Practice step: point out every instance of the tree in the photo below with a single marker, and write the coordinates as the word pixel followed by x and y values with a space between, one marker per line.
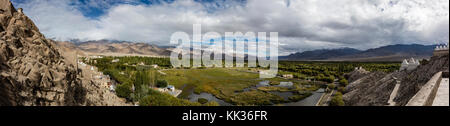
pixel 332 86
pixel 162 83
pixel 155 100
pixel 141 80
pixel 124 90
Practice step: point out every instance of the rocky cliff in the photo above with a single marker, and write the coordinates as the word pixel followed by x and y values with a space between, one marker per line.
pixel 32 71
pixel 374 88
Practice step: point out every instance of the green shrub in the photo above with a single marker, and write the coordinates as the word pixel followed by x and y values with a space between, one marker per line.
pixel 337 100
pixel 343 82
pixel 163 99
pixel 202 100
pixel 342 89
pixel 331 86
pixel 212 103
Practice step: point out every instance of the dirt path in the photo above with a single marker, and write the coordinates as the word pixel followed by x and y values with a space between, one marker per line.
pixel 160 71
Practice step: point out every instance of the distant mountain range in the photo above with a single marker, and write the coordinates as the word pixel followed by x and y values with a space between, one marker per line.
pixel 385 53
pixel 322 54
pixel 116 48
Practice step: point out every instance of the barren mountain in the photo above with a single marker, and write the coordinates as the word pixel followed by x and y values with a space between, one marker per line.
pixel 34 73
pixel 322 54
pixel 105 47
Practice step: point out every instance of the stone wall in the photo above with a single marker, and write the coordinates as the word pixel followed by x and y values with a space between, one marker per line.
pixel 426 94
pixel 440 52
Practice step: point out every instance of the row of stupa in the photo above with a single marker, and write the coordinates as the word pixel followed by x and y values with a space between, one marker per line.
pixel 441 47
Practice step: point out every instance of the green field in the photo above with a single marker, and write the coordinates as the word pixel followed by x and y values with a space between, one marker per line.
pixel 217 81
pixel 228 84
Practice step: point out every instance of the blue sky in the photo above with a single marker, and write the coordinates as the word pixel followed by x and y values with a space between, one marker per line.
pixel 96 8
pixel 302 24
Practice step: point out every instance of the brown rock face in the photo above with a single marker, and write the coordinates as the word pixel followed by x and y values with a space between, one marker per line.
pixel 368 90
pixel 6 7
pixel 374 89
pixel 32 72
pixel 413 81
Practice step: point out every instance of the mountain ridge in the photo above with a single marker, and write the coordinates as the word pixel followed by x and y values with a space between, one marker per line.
pixel 321 54
pixel 116 48
pixel 396 52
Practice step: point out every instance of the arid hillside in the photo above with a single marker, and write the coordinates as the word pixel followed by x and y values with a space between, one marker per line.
pixel 374 88
pixel 108 48
pixel 33 72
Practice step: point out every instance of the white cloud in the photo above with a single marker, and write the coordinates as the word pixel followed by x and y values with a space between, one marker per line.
pixel 56 19
pixel 302 24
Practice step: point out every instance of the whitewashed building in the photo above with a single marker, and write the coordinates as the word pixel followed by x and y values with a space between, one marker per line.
pixel 115 60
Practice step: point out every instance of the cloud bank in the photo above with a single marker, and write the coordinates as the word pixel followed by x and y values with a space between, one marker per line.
pixel 302 24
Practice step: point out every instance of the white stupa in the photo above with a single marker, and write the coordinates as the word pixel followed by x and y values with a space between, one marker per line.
pixel 410 64
pixel 441 47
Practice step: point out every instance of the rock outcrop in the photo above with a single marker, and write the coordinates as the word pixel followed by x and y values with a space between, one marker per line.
pixel 32 71
pixel 356 74
pixel 374 88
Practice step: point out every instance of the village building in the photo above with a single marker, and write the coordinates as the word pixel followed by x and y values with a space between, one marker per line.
pixel 96 57
pixel 288 76
pixel 171 87
pixel 115 60
pixel 82 64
